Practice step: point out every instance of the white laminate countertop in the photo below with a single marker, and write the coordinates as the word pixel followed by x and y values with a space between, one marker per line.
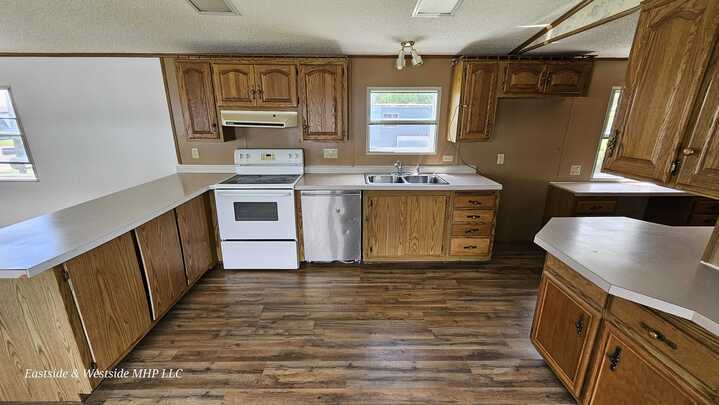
pixel 617 188
pixel 33 246
pixel 355 181
pixel 653 265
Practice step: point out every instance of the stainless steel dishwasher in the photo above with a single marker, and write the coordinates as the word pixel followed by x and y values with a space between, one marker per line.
pixel 332 225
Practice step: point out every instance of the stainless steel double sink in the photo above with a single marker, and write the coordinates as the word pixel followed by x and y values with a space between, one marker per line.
pixel 404 179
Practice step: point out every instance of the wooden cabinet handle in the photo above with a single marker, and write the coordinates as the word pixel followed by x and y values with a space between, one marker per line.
pixel 657 335
pixel 614 358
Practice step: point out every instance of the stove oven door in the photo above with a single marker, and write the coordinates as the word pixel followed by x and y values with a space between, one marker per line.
pixel 256 214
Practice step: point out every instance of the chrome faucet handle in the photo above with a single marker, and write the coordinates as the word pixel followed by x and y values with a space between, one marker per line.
pixel 417 169
pixel 397 166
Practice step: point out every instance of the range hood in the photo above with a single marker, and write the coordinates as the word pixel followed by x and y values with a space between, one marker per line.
pixel 259 119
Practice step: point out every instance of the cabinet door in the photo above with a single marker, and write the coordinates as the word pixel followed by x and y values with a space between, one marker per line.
pixel 668 59
pixel 401 226
pixel 276 85
pixel 161 256
pixel 699 171
pixel 563 331
pixel 234 85
pixel 108 289
pixel 628 375
pixel 196 237
pixel 197 101
pixel 323 101
pixel 479 101
pixel 567 78
pixel 523 78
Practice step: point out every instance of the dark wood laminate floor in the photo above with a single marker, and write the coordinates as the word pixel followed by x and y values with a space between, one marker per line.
pixel 335 335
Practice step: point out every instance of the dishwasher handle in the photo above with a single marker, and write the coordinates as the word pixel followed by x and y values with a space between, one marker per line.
pixel 311 193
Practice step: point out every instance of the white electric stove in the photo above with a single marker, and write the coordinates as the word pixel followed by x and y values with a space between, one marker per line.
pixel 256 210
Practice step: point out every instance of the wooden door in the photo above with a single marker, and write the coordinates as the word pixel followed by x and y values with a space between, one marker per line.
pixel 196 100
pixel 276 85
pixel 108 289
pixel 699 170
pixel 567 78
pixel 668 59
pixel 196 237
pixel 234 85
pixel 524 78
pixel 323 101
pixel 479 101
pixel 404 225
pixel 563 331
pixel 629 375
pixel 161 256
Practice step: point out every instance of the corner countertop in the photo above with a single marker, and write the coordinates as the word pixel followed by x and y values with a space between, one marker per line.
pixel 355 181
pixel 30 247
pixel 650 264
pixel 617 188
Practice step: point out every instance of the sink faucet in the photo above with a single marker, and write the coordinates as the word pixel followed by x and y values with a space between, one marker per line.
pixel 417 169
pixel 397 167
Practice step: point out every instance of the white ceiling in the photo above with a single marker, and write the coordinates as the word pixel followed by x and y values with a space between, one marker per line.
pixel 353 27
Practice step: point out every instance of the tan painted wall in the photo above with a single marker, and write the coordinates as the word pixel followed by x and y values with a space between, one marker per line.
pixel 541 138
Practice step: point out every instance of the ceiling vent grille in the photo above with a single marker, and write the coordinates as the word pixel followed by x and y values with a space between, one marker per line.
pixel 214 7
pixel 436 8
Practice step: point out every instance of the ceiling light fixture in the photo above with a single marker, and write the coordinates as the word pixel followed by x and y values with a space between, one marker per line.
pixel 216 7
pixel 435 8
pixel 416 58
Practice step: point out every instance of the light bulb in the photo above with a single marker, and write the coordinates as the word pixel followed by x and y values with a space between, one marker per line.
pixel 400 60
pixel 416 59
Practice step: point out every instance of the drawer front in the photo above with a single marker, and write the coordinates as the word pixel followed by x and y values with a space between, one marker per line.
pixel 472 230
pixel 579 285
pixel 595 207
pixel 474 201
pixel 469 246
pixel 688 353
pixel 706 207
pixel 473 216
pixel 703 220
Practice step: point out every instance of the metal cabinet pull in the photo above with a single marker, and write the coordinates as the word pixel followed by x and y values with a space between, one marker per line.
pixel 471 230
pixel 474 216
pixel 614 358
pixel 657 335
pixel 579 325
pixel 475 202
pixel 470 247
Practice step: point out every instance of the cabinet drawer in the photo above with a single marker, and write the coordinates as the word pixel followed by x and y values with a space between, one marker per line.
pixel 469 246
pixel 572 280
pixel 477 216
pixel 595 207
pixel 472 230
pixel 706 207
pixel 474 201
pixel 703 219
pixel 698 359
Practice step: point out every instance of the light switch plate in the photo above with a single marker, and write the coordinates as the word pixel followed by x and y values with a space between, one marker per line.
pixel 195 153
pixel 329 153
pixel 500 158
pixel 575 170
pixel 447 158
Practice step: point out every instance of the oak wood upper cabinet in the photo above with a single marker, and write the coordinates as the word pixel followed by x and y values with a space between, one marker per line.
pixel 323 101
pixel 669 57
pixel 276 85
pixel 524 78
pixel 404 225
pixel 161 256
pixel 234 84
pixel 473 101
pixel 567 78
pixel 563 331
pixel 196 99
pixel 627 374
pixel 110 295
pixel 196 236
pixel 248 85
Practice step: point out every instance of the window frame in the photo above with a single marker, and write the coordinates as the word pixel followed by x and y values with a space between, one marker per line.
pixel 25 143
pixel 598 175
pixel 403 89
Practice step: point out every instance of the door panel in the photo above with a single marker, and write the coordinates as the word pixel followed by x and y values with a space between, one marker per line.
pixel 425 225
pixel 161 255
pixel 196 237
pixel 108 289
pixel 568 78
pixel 197 101
pixel 276 85
pixel 523 78
pixel 234 85
pixel 322 95
pixel 480 100
pixel 666 65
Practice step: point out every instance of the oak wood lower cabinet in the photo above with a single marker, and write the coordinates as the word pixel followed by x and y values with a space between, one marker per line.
pixel 161 255
pixel 196 236
pixel 108 289
pixel 428 225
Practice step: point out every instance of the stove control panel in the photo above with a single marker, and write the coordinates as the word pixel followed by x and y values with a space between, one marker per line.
pixel 269 157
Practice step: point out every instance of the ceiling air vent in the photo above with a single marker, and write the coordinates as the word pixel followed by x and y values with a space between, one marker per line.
pixel 221 7
pixel 436 8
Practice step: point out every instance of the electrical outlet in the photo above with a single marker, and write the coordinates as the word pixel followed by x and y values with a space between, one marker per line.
pixel 195 153
pixel 448 158
pixel 500 158
pixel 575 170
pixel 329 153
